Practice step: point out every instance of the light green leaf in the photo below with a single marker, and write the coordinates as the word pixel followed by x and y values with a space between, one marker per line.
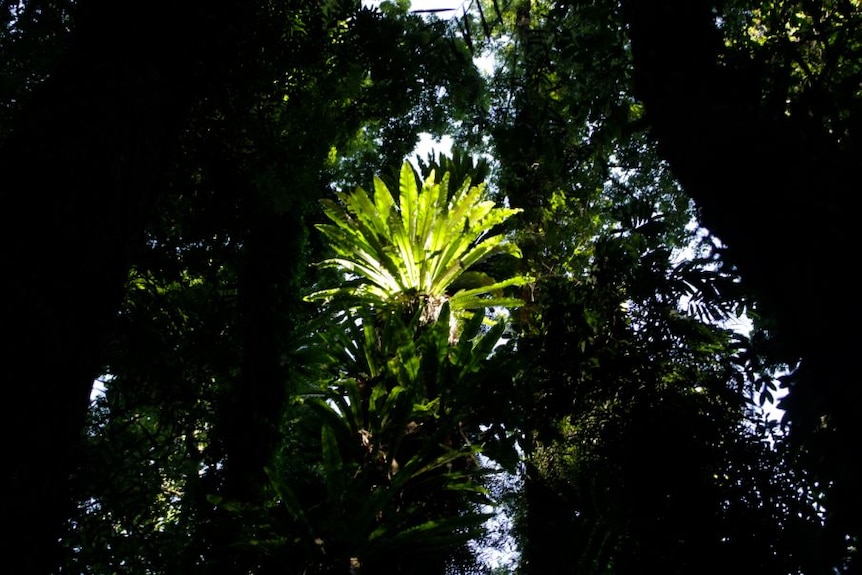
pixel 417 247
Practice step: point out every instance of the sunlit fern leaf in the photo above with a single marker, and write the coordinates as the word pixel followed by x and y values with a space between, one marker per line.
pixel 410 252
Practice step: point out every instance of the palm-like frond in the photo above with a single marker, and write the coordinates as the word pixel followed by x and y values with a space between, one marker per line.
pixel 417 247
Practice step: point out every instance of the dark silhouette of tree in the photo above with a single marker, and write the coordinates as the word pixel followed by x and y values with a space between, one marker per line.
pixel 755 107
pixel 84 157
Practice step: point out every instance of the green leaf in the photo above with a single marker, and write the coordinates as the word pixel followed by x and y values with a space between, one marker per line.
pixel 409 198
pixel 287 497
pixel 418 250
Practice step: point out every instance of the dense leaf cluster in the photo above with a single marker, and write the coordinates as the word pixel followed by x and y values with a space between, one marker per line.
pixel 175 180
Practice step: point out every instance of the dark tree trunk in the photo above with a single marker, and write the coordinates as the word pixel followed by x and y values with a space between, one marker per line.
pixel 549 532
pixel 250 413
pixel 81 170
pixel 777 191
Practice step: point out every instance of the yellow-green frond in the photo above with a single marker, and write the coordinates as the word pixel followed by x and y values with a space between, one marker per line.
pixel 418 244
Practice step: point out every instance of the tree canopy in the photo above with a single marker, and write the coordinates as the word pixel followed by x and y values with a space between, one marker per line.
pixel 317 352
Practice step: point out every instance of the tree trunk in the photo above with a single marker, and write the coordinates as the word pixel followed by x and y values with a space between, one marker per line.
pixel 775 189
pixel 81 169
